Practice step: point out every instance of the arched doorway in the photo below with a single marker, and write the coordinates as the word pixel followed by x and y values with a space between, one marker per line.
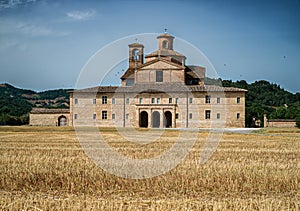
pixel 155 119
pixel 62 121
pixel 144 119
pixel 168 119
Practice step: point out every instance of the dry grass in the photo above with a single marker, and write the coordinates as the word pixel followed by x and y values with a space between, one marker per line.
pixel 44 168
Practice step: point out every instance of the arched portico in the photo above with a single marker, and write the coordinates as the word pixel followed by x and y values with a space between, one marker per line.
pixel 155 119
pixel 144 119
pixel 167 119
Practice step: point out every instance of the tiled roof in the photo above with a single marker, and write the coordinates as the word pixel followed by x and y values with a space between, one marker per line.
pixel 165 52
pixel 49 111
pixel 159 87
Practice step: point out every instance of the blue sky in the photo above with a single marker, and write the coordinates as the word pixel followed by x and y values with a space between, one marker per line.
pixel 44 44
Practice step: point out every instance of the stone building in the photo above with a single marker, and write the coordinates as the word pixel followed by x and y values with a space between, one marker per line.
pixel 49 117
pixel 159 90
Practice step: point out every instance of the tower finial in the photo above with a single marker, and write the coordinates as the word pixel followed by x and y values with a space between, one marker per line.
pixel 136 39
pixel 166 30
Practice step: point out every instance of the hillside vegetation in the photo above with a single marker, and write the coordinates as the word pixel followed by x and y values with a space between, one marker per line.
pixel 15 103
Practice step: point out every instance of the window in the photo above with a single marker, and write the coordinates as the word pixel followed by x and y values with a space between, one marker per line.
pixel 191 100
pixel 113 101
pixel 141 100
pixel 207 99
pixel 207 114
pixel 135 54
pixel 218 115
pixel 238 115
pixel 94 116
pixel 113 116
pixel 159 76
pixel 238 100
pixel 127 116
pixel 104 99
pixel 218 100
pixel 127 100
pixel 191 116
pixel 129 81
pixel 165 44
pixel 170 100
pixel 76 101
pixel 152 100
pixel 104 114
pixel 176 116
pixel 94 101
pixel 176 100
pixel 158 100
pixel 75 116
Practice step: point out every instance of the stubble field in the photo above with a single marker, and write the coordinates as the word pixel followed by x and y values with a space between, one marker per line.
pixel 45 168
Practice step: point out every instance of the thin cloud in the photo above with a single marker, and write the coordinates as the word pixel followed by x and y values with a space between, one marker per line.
pixel 29 29
pixel 80 15
pixel 9 4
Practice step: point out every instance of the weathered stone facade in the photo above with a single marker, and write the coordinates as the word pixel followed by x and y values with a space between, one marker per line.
pixel 162 92
pixel 49 117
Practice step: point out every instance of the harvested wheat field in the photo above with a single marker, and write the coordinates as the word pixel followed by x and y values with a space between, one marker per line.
pixel 45 168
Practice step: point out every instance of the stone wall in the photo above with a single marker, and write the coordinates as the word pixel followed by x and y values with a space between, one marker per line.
pixel 47 119
pixel 278 123
pixel 123 109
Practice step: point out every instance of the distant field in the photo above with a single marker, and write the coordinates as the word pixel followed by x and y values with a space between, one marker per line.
pixel 45 168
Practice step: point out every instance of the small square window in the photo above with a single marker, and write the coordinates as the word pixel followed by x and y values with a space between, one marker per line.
pixel 141 100
pixel 218 100
pixel 94 101
pixel 76 101
pixel 75 116
pixel 104 99
pixel 113 101
pixel 176 116
pixel 207 99
pixel 207 114
pixel 127 116
pixel 159 76
pixel 158 100
pixel 238 115
pixel 152 100
pixel 94 116
pixel 127 100
pixel 218 115
pixel 104 114
pixel 238 100
pixel 170 100
pixel 176 100
pixel 191 100
pixel 113 116
pixel 191 116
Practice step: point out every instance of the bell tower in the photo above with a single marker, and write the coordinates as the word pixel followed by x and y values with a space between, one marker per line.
pixel 165 41
pixel 136 55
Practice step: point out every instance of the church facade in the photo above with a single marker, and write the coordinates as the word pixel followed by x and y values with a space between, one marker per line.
pixel 159 90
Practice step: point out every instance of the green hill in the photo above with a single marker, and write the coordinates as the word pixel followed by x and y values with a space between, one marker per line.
pixel 15 103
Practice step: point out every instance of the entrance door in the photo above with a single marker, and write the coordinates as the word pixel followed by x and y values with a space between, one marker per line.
pixel 168 119
pixel 155 119
pixel 144 119
pixel 62 121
